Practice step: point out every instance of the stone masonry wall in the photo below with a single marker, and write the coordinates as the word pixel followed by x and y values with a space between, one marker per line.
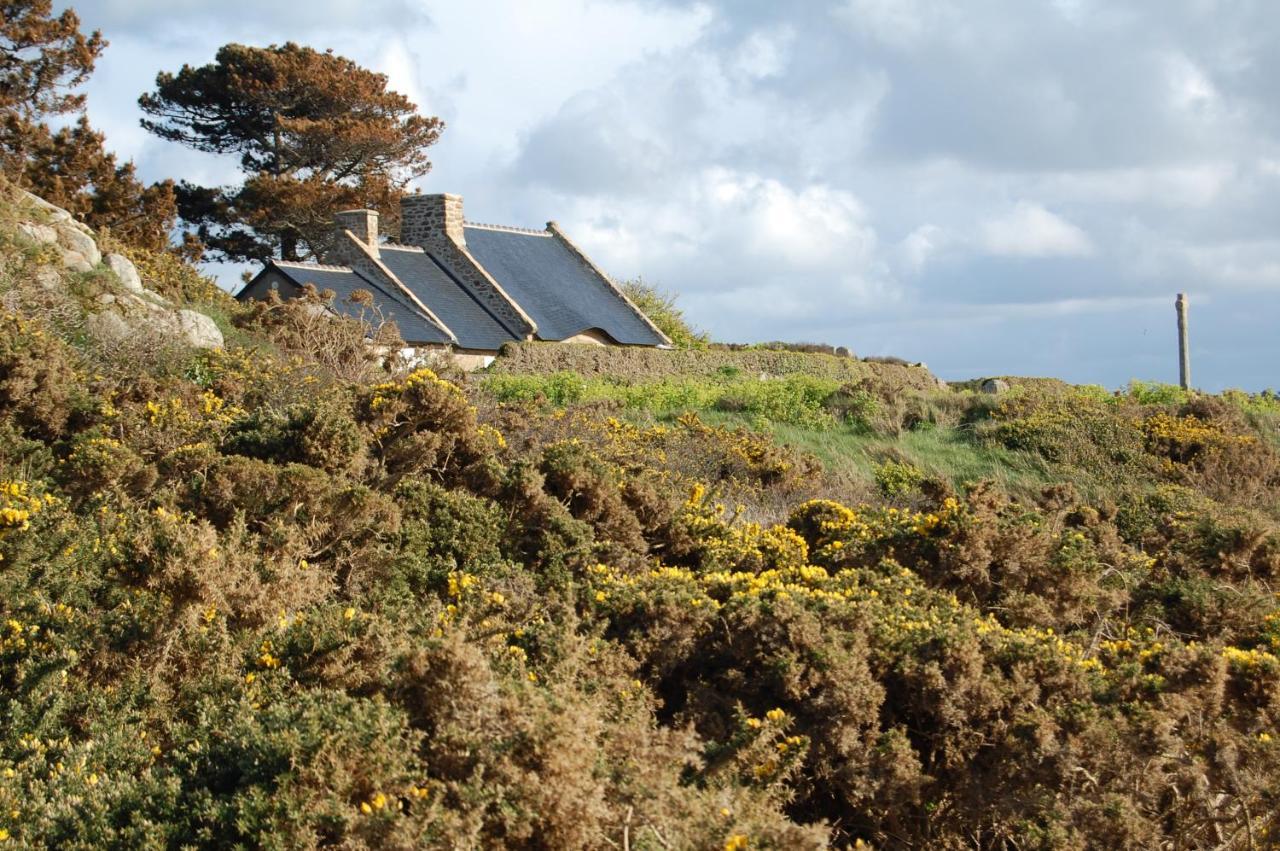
pixel 362 223
pixel 431 219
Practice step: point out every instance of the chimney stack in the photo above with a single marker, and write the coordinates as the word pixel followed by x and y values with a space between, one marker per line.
pixel 431 220
pixel 362 223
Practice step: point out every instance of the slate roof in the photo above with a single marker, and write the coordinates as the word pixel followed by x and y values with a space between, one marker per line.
pixel 414 326
pixel 558 291
pixel 435 286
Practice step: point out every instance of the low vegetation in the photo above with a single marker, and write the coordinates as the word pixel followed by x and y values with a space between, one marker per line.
pixel 269 595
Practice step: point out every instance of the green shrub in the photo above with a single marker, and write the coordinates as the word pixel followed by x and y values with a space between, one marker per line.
pixel 1157 393
pixel 660 307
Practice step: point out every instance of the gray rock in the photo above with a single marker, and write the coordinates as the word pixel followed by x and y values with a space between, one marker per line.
pixel 125 271
pixel 77 240
pixel 75 261
pixel 199 330
pixel 106 298
pixel 995 385
pixel 48 278
pixel 42 234
pixel 109 327
pixel 130 300
pixel 52 212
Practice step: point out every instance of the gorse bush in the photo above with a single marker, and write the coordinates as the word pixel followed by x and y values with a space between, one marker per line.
pixel 271 597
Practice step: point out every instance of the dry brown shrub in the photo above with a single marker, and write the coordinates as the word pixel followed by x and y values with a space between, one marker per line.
pixel 350 349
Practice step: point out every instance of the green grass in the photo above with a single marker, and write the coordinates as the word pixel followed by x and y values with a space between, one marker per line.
pixel 945 452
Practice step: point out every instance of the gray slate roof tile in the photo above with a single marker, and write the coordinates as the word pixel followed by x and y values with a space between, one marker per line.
pixel 414 326
pixel 562 295
pixel 468 319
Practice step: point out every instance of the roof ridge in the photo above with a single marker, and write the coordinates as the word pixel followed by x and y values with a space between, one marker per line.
pixel 402 245
pixel 321 266
pixel 506 228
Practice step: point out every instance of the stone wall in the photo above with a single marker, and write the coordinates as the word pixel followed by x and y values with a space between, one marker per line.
pixel 427 220
pixel 638 363
pixel 362 223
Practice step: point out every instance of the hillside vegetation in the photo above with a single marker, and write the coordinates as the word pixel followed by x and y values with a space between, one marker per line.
pixel 280 595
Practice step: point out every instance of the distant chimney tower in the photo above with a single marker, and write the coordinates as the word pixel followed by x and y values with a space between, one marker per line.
pixel 362 223
pixel 431 219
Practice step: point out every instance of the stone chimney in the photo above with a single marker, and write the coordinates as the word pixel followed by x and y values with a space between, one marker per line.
pixel 431 220
pixel 362 223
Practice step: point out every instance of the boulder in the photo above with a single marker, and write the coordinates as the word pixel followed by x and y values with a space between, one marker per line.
pixel 73 239
pixel 130 312
pixel 109 327
pixel 75 261
pixel 124 270
pixel 199 330
pixel 995 385
pixel 52 212
pixel 43 234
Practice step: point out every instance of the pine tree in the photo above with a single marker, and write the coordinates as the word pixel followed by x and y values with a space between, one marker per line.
pixel 314 133
pixel 42 60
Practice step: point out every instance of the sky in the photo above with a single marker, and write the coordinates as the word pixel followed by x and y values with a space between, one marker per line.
pixel 992 187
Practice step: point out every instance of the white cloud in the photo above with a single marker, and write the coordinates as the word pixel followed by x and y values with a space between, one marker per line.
pixel 905 23
pixel 1030 230
pixel 763 54
pixel 918 247
pixel 1189 86
pixel 743 213
pixel 1185 185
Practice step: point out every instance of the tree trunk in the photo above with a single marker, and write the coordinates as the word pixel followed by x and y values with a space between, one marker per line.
pixel 289 246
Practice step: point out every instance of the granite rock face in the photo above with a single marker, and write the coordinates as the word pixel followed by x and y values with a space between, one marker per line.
pixel 995 385
pixel 121 315
pixel 199 330
pixel 125 271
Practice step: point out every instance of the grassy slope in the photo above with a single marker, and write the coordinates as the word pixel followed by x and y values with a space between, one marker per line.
pixel 949 453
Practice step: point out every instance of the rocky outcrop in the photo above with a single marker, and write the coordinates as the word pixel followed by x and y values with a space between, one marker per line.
pixel 124 270
pixel 994 386
pixel 128 308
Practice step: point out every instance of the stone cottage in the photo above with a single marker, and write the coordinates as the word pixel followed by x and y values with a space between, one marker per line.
pixel 468 288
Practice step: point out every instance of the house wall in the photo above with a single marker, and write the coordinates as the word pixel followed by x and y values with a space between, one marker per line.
pixel 438 357
pixel 590 337
pixel 471 360
pixel 260 288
